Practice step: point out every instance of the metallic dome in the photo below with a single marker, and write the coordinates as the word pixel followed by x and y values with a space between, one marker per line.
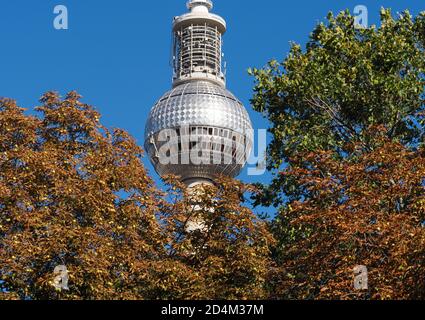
pixel 210 112
pixel 198 103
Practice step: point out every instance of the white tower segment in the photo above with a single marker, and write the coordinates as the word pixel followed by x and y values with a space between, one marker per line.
pixel 198 44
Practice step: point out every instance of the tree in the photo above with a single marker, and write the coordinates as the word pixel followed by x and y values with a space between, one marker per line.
pixel 368 210
pixel 72 193
pixel 327 99
pixel 228 257
pixel 75 194
pixel 346 80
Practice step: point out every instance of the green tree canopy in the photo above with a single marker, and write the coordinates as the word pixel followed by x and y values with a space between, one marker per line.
pixel 346 80
pixel 347 119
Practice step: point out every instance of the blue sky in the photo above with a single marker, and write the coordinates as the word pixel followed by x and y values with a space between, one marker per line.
pixel 116 53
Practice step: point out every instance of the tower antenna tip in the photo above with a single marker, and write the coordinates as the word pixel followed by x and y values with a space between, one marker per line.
pixel 196 3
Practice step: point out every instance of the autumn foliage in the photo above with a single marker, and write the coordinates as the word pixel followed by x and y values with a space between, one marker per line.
pixel 74 193
pixel 367 210
pixel 228 258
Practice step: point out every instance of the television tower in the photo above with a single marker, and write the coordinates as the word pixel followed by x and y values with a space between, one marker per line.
pixel 198 129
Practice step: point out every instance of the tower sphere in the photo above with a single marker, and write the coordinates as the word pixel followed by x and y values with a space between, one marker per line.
pixel 198 129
